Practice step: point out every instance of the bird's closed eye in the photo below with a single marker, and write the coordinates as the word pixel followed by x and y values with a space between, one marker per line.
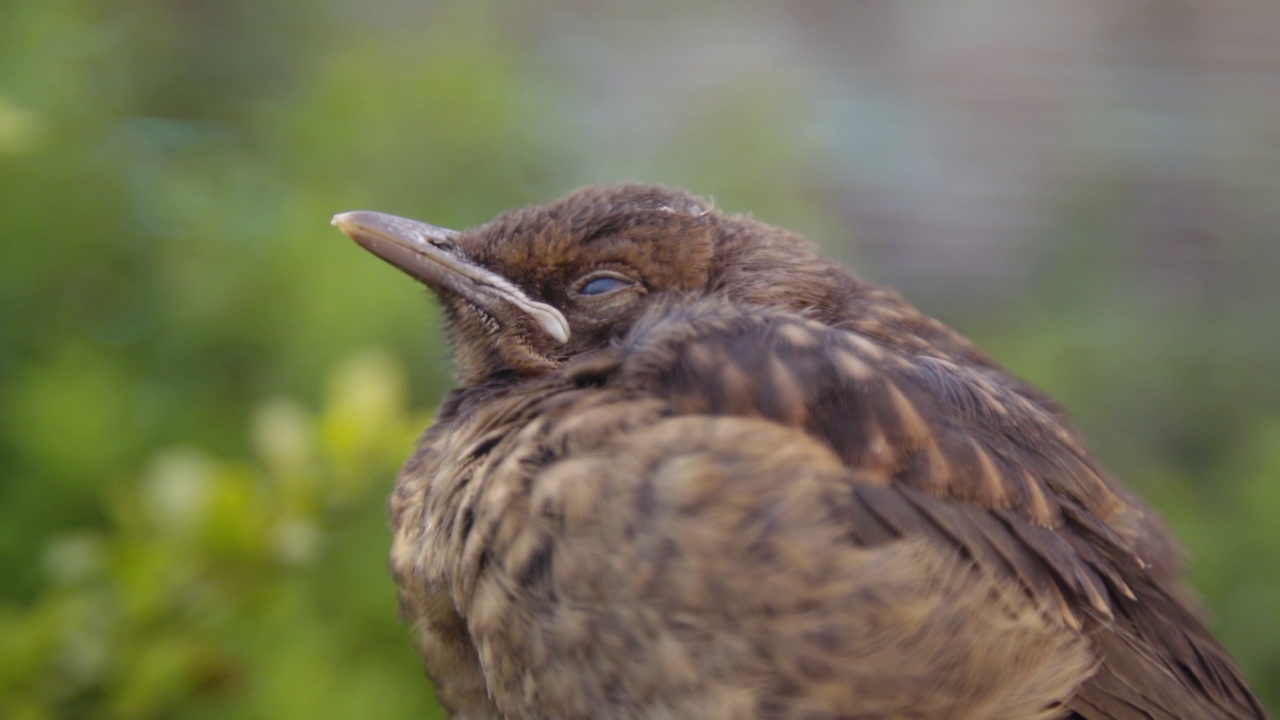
pixel 601 284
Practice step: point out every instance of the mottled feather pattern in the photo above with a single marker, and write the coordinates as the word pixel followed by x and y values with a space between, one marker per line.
pixel 753 485
pixel 530 606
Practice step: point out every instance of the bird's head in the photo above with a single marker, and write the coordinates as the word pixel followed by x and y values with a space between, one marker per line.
pixel 539 285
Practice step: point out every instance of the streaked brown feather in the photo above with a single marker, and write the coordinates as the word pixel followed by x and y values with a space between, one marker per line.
pixel 1053 502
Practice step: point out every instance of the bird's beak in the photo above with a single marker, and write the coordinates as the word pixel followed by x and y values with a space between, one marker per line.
pixel 428 253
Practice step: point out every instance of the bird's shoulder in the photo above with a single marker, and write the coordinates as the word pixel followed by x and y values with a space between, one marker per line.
pixel 948 444
pixel 898 397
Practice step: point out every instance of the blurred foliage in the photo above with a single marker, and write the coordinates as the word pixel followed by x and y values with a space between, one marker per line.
pixel 223 588
pixel 168 169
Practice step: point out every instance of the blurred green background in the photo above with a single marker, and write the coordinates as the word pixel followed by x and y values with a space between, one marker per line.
pixel 205 391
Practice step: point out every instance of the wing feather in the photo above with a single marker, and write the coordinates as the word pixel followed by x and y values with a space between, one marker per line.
pixel 970 456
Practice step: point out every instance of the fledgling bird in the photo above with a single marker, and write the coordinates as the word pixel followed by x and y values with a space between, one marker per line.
pixel 693 469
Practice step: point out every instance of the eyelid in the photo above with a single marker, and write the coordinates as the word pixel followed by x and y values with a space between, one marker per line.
pixel 602 275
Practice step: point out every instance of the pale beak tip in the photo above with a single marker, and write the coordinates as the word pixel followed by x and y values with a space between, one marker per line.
pixel 342 219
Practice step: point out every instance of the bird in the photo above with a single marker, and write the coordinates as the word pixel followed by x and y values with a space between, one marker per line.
pixel 692 468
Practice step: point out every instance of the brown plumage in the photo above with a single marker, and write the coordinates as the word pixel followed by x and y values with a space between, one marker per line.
pixel 695 470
